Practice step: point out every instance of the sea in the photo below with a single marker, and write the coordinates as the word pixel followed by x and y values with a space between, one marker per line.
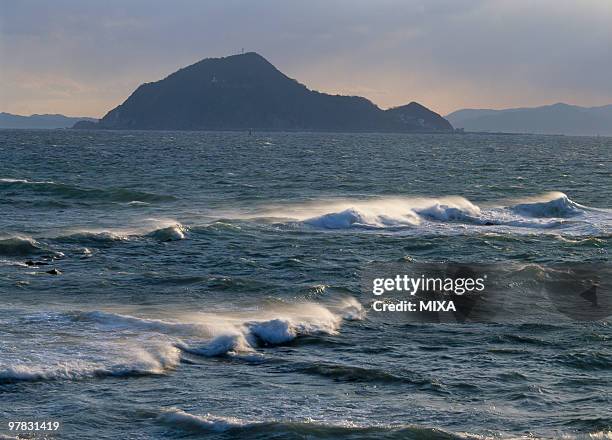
pixel 177 285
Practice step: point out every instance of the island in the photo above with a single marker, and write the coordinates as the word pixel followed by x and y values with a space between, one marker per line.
pixel 246 92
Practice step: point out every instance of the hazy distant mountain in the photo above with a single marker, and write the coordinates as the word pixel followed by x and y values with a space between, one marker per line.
pixel 549 119
pixel 246 91
pixel 8 120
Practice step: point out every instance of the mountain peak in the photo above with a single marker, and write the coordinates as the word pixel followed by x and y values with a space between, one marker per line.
pixel 246 56
pixel 245 91
pixel 418 115
pixel 238 60
pixel 252 55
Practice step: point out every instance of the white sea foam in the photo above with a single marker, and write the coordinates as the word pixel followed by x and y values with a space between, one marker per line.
pixel 134 360
pixel 26 181
pixel 547 211
pixel 445 212
pixel 350 309
pixel 5 262
pixel 342 220
pixel 553 204
pixel 169 233
pixel 383 212
pixel 342 213
pixel 219 345
pixel 209 334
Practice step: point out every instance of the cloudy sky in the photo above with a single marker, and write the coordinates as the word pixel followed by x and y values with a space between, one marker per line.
pixel 83 58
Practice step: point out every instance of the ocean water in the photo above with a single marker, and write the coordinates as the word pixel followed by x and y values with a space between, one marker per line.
pixel 208 284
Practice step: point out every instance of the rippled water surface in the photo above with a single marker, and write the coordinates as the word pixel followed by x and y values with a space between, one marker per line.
pixel 181 285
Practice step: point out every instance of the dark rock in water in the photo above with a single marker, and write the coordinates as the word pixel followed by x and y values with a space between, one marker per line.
pixel 54 272
pixel 246 92
pixel 36 263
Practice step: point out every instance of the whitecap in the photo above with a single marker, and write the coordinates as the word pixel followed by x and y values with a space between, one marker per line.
pixel 134 361
pixel 169 233
pixel 446 215
pixel 394 212
pixel 216 334
pixel 160 230
pixel 22 245
pixel 554 204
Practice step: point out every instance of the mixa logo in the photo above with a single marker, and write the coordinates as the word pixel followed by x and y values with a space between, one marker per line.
pixel 437 306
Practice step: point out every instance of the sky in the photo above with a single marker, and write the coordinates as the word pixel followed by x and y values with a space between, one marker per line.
pixel 84 58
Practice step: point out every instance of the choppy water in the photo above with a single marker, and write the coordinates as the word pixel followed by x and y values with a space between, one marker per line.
pixel 209 284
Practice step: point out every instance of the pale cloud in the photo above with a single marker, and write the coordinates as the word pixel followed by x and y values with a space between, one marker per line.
pixel 86 57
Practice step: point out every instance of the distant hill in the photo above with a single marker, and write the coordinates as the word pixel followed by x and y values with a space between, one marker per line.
pixel 8 120
pixel 416 115
pixel 550 119
pixel 247 92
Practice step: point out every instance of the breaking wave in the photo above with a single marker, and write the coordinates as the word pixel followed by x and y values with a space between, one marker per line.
pixel 92 237
pixel 169 233
pixel 219 334
pixel 352 217
pixel 546 211
pixel 386 212
pixel 138 362
pixel 159 230
pixel 554 204
pixel 21 246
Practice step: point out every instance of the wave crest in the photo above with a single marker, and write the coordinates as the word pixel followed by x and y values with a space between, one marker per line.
pixel 21 245
pixel 139 362
pixel 93 237
pixel 169 233
pixel 391 212
pixel 546 211
pixel 352 217
pixel 238 332
pixel 160 230
pixel 443 212
pixel 554 204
